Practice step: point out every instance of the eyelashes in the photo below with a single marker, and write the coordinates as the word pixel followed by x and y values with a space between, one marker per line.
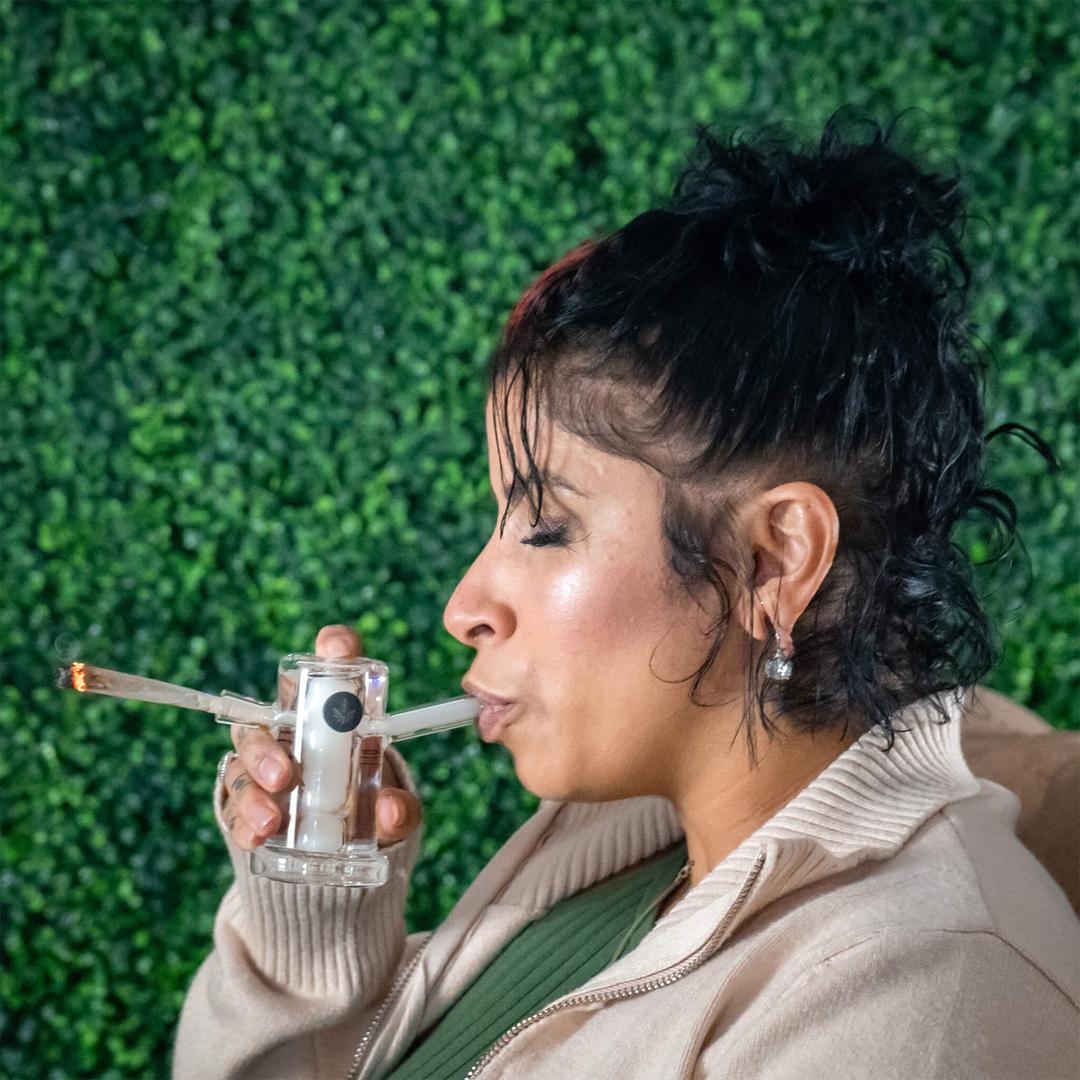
pixel 552 536
pixel 555 534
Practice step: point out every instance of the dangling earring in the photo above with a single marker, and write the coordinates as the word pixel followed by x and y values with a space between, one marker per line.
pixel 778 666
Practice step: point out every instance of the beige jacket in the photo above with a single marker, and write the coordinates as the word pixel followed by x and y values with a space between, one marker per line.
pixel 885 923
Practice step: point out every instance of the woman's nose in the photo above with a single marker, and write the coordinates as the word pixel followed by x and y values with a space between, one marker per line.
pixel 474 614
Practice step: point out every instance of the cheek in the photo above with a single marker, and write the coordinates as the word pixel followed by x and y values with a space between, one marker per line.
pixel 608 600
pixel 593 634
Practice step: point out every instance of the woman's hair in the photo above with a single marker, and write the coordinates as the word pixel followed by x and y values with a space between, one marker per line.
pixel 789 314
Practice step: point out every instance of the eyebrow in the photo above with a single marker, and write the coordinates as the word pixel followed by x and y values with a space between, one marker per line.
pixel 556 481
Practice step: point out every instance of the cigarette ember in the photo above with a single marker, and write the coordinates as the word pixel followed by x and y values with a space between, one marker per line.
pixel 72 677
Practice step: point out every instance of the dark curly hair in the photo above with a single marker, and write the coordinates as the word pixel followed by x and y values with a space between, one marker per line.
pixel 789 314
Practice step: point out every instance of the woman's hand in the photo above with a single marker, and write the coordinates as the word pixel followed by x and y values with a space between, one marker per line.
pixel 258 780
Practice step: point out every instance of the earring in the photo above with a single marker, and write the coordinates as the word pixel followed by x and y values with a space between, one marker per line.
pixel 778 666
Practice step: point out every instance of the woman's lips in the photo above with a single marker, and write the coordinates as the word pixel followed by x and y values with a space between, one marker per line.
pixel 495 712
pixel 492 719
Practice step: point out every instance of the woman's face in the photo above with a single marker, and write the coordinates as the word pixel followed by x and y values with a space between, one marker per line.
pixel 567 618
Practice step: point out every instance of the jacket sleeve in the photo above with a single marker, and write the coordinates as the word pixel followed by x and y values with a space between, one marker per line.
pixel 296 972
pixel 936 1004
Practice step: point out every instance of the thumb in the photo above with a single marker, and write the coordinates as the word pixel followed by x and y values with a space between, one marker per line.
pixel 340 641
pixel 397 814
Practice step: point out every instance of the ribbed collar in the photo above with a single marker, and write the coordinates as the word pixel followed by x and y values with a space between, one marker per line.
pixel 863 806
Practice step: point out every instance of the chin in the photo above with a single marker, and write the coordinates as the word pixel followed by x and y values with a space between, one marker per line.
pixel 544 778
pixel 543 787
pixel 546 781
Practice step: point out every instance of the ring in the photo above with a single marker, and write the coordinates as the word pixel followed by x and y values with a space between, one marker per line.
pixel 224 763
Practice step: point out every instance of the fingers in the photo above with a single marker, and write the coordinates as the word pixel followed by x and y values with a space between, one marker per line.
pixel 338 641
pixel 398 812
pixel 397 815
pixel 264 758
pixel 255 807
pixel 250 813
pixel 394 812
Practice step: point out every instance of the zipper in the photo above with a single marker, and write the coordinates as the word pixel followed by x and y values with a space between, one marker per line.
pixel 377 1019
pixel 632 988
pixel 393 992
pixel 683 874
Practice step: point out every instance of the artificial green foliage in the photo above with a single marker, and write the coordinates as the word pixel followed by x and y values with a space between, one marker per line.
pixel 254 258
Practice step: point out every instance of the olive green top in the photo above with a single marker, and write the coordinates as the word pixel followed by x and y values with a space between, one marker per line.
pixel 553 955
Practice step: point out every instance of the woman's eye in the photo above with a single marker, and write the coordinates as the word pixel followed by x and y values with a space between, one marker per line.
pixel 553 536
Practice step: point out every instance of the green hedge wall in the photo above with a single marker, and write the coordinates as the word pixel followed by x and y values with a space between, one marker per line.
pixel 255 256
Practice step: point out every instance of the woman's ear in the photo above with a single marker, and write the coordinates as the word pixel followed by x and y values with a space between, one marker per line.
pixel 793 530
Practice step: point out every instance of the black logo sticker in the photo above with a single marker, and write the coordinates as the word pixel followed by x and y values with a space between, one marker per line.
pixel 343 711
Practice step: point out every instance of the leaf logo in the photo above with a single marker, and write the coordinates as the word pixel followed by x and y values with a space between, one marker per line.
pixel 342 711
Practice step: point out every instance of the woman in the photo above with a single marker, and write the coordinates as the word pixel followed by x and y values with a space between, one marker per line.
pixel 723 632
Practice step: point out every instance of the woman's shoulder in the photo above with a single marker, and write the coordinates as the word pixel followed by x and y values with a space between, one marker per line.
pixel 989 712
pixel 963 881
pixel 1007 743
pixel 931 963
pixel 903 996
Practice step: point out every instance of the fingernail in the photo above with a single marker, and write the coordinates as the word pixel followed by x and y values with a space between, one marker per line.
pixel 271 772
pixel 263 820
pixel 391 815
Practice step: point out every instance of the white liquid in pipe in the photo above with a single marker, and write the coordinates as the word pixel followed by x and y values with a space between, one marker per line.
pixel 325 760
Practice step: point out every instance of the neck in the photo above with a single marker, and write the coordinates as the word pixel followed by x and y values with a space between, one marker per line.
pixel 721 800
